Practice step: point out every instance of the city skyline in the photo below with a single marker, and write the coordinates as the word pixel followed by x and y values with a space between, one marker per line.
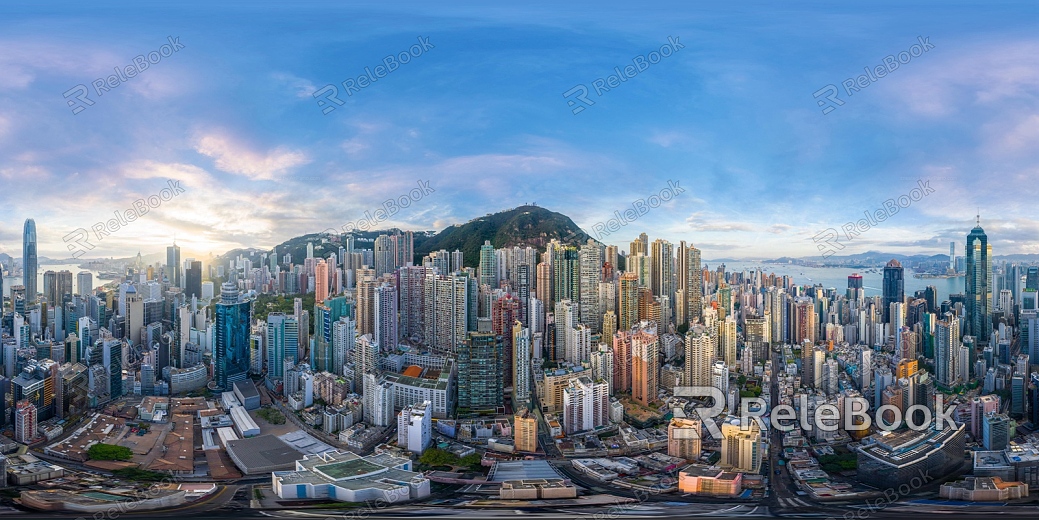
pixel 264 259
pixel 620 240
pixel 481 114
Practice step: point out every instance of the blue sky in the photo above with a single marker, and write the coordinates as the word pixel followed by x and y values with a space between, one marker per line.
pixel 481 115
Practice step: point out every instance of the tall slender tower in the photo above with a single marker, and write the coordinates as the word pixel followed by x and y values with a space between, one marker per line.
pixel 320 281
pixel 629 301
pixel 173 264
pixel 488 265
pixel 894 292
pixel 978 258
pixel 590 272
pixel 690 279
pixel 30 262
pixel 645 363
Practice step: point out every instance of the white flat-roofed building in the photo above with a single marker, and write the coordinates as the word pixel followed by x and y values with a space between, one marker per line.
pixel 346 477
pixel 225 435
pixel 245 425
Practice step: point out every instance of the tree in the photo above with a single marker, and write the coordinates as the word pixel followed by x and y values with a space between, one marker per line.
pixel 438 457
pixel 472 460
pixel 102 451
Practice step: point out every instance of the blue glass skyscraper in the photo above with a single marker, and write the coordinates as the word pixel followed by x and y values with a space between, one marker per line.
pixel 231 355
pixel 894 292
pixel 30 262
pixel 978 291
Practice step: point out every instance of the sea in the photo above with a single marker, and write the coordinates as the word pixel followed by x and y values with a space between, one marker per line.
pixel 74 268
pixel 837 277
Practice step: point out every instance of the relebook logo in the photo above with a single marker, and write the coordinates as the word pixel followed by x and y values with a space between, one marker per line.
pixel 829 418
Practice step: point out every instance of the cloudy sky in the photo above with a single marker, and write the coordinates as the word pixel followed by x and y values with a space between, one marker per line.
pixel 731 116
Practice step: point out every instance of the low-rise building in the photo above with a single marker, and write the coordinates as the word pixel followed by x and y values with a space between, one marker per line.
pixel 247 394
pixel 23 470
pixel 346 477
pixel 984 489
pixel 535 489
pixel 891 459
pixel 262 454
pixel 699 479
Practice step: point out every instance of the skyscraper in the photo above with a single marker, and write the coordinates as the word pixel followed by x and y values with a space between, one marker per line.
pixel 521 354
pixel 946 348
pixel 566 271
pixel 320 281
pixel 481 369
pixel 445 310
pixel 629 301
pixel 25 422
pixel 526 431
pixel 386 331
pixel 231 354
pixel 645 362
pixel 590 273
pixel 30 262
pixel 173 265
pixel 699 356
pixel 741 445
pixel 622 361
pixel 282 342
pixel 385 255
pixel 662 273
pixel 894 292
pixel 411 281
pixel 57 287
pixel 586 404
pixel 1032 278
pixel 193 280
pixel 488 265
pixel 690 281
pixel 84 283
pixel 978 293
pixel 505 313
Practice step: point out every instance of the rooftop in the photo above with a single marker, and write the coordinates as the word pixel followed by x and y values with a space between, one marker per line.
pixel 348 468
pixel 247 389
pixel 261 452
pixel 522 470
pixel 907 447
pixel 351 471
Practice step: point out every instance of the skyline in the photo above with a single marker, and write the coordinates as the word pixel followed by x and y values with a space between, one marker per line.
pixel 482 114
pixel 619 242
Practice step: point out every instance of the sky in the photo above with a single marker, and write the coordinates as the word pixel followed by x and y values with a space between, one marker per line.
pixel 480 114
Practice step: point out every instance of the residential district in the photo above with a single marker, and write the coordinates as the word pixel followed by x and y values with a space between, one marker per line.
pixel 566 375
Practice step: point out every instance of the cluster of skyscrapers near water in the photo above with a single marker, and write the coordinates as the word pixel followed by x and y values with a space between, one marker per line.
pixel 563 339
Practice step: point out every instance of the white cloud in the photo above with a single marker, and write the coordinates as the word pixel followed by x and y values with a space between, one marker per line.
pixel 232 156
